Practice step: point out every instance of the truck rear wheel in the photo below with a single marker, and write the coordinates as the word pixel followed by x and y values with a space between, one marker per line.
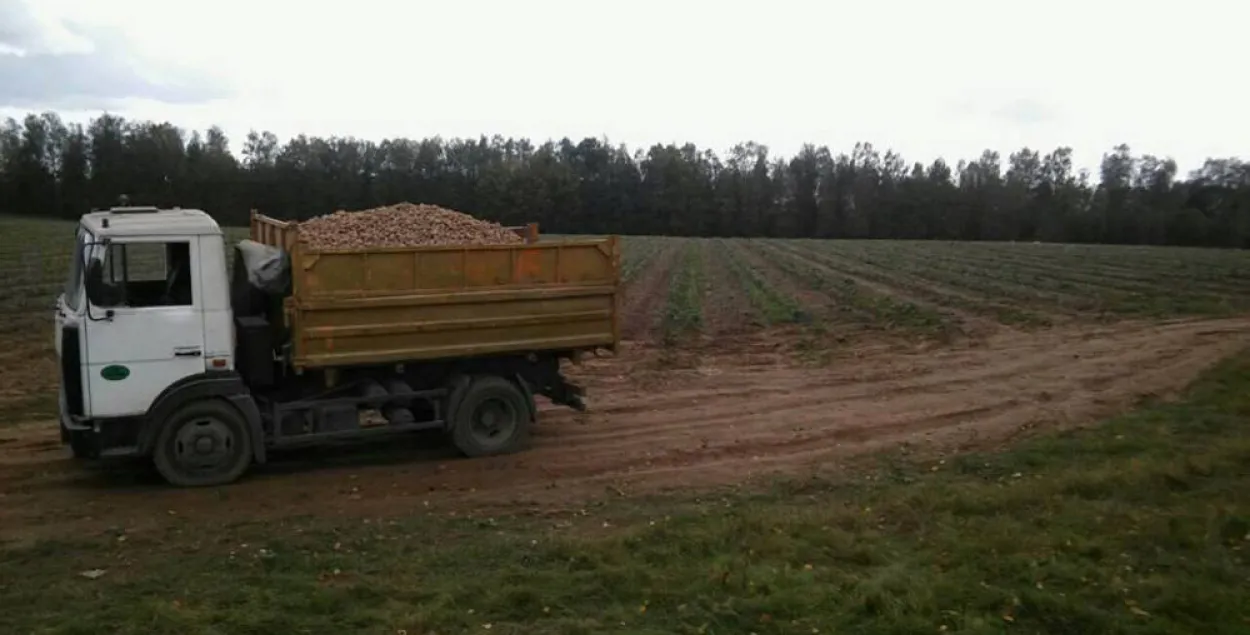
pixel 203 443
pixel 491 418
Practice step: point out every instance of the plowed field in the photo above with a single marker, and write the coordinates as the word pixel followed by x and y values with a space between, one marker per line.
pixel 744 359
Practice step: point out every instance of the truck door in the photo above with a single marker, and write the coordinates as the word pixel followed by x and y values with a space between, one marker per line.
pixel 147 329
pixel 69 336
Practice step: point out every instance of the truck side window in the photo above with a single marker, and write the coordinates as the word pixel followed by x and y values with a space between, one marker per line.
pixel 149 274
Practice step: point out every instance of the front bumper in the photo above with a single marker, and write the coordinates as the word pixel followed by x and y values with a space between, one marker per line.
pixel 83 442
pixel 68 424
pixel 99 438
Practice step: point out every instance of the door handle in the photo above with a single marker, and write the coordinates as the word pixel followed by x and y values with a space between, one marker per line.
pixel 187 352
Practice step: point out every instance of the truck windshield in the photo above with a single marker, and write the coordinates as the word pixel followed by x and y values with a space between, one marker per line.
pixel 73 285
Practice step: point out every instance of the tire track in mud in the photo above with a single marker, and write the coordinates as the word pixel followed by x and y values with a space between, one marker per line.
pixel 730 439
pixel 722 423
pixel 888 381
pixel 918 396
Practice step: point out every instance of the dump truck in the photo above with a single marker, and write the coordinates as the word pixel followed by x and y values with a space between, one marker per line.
pixel 203 358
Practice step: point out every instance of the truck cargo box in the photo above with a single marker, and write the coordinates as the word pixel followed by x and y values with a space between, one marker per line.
pixel 396 304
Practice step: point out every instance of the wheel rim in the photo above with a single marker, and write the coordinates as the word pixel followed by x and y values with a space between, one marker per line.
pixel 494 422
pixel 204 445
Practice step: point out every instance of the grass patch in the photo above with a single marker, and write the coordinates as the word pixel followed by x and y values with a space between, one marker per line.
pixel 1140 525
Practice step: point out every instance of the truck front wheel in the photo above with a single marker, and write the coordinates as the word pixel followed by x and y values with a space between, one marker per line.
pixel 492 417
pixel 203 443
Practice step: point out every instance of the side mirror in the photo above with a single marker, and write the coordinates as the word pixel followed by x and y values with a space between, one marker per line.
pixel 93 281
pixel 98 293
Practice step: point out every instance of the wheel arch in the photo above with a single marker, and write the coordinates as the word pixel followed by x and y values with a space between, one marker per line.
pixel 529 396
pixel 226 386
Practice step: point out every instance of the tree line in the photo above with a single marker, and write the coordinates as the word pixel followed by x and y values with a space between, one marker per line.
pixel 52 168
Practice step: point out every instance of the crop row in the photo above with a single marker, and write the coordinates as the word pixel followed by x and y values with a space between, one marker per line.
pixel 1071 262
pixel 682 309
pixel 905 282
pixel 992 266
pixel 989 272
pixel 638 254
pixel 982 281
pixel 770 302
pixel 853 302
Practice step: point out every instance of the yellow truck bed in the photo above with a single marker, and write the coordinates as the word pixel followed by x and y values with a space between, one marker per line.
pixel 392 305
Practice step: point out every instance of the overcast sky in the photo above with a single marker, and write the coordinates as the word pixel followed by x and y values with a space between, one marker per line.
pixel 925 78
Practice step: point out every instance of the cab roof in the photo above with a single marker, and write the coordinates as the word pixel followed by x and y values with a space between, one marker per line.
pixel 150 221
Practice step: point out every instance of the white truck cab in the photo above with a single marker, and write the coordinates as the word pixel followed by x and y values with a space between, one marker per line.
pixel 145 314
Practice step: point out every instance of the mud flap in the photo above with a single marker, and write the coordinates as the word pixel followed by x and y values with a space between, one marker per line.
pixel 247 406
pixel 563 393
pixel 456 388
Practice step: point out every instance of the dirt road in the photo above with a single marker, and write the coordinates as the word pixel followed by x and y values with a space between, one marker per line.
pixel 727 420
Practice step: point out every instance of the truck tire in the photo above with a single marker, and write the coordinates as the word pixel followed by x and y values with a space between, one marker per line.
pixel 203 443
pixel 491 418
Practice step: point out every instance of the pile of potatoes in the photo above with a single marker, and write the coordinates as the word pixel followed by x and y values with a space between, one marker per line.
pixel 402 225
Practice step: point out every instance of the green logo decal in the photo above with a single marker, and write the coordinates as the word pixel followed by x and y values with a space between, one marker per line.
pixel 114 373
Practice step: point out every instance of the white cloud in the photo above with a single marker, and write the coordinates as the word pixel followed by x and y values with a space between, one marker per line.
pixel 924 78
pixel 48 60
pixel 28 28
